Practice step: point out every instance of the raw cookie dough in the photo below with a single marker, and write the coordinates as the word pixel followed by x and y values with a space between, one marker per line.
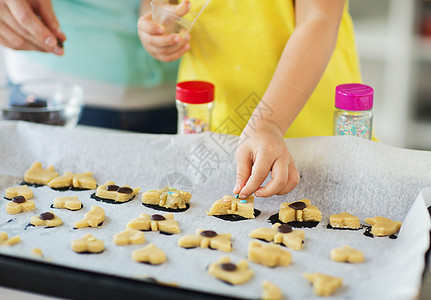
pixel 207 239
pixel 67 202
pixel 382 226
pixel 47 219
pixel 230 205
pixel 269 255
pixel 347 254
pixel 228 272
pixel 271 291
pixel 167 197
pixel 61 181
pixel 149 254
pixel 6 241
pixel 281 234
pixel 87 243
pixel 165 223
pixel 22 190
pixel 77 181
pixel 37 252
pixel 300 211
pixel 111 191
pixel 19 204
pixel 323 285
pixel 84 181
pixel 129 236
pixel 37 175
pixel 344 220
pixel 93 218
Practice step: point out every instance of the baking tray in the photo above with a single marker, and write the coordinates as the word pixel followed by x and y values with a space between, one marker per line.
pixel 58 281
pixel 325 180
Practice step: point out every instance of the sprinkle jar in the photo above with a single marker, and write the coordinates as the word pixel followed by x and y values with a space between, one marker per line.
pixel 194 101
pixel 353 114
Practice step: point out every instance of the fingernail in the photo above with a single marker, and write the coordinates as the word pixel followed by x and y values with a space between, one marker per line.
pixel 242 196
pixel 58 50
pixel 177 39
pixel 50 42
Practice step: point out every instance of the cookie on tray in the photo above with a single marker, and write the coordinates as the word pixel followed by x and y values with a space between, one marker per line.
pixel 67 202
pixel 19 204
pixel 164 224
pixel 47 219
pixel 112 193
pixel 231 205
pixel 207 239
pixel 281 234
pixel 22 190
pixel 88 244
pixel 323 285
pixel 269 255
pixel 229 272
pixel 83 181
pixel 150 254
pixel 38 175
pixel 381 226
pixel 300 213
pixel 167 199
pixel 93 218
pixel 344 220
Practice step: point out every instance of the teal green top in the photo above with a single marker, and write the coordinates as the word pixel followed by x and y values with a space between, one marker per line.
pixel 102 44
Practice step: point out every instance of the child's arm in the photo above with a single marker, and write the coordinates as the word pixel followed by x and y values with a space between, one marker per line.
pixel 304 59
pixel 160 45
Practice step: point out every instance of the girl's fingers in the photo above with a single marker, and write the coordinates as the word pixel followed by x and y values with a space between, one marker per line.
pixel 146 24
pixel 293 180
pixel 243 169
pixel 280 175
pixel 260 170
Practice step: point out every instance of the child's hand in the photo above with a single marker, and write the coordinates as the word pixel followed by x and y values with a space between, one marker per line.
pixel 162 46
pixel 261 150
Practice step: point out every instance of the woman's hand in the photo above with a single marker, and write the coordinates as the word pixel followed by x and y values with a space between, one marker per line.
pixel 261 149
pixel 30 25
pixel 163 46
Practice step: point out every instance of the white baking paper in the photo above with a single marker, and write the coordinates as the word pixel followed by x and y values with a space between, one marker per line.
pixel 365 178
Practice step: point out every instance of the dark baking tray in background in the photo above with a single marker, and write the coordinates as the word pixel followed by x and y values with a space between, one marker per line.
pixel 64 282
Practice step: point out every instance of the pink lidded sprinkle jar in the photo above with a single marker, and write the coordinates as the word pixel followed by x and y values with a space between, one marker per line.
pixel 353 114
pixel 194 101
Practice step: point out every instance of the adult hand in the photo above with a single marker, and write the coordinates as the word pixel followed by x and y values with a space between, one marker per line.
pixel 261 149
pixel 163 46
pixel 30 25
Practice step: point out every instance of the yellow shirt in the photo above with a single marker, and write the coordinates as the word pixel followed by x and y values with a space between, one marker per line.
pixel 236 45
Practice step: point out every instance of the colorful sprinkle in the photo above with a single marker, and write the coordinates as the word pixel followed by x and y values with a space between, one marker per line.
pixel 355 125
pixel 237 196
pixel 170 193
pixel 194 125
pixel 242 201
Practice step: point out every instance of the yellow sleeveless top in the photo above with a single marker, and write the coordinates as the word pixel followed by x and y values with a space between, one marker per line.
pixel 236 45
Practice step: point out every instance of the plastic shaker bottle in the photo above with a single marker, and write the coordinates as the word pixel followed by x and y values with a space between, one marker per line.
pixel 353 114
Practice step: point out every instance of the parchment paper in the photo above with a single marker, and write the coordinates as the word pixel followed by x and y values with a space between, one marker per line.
pixel 339 174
